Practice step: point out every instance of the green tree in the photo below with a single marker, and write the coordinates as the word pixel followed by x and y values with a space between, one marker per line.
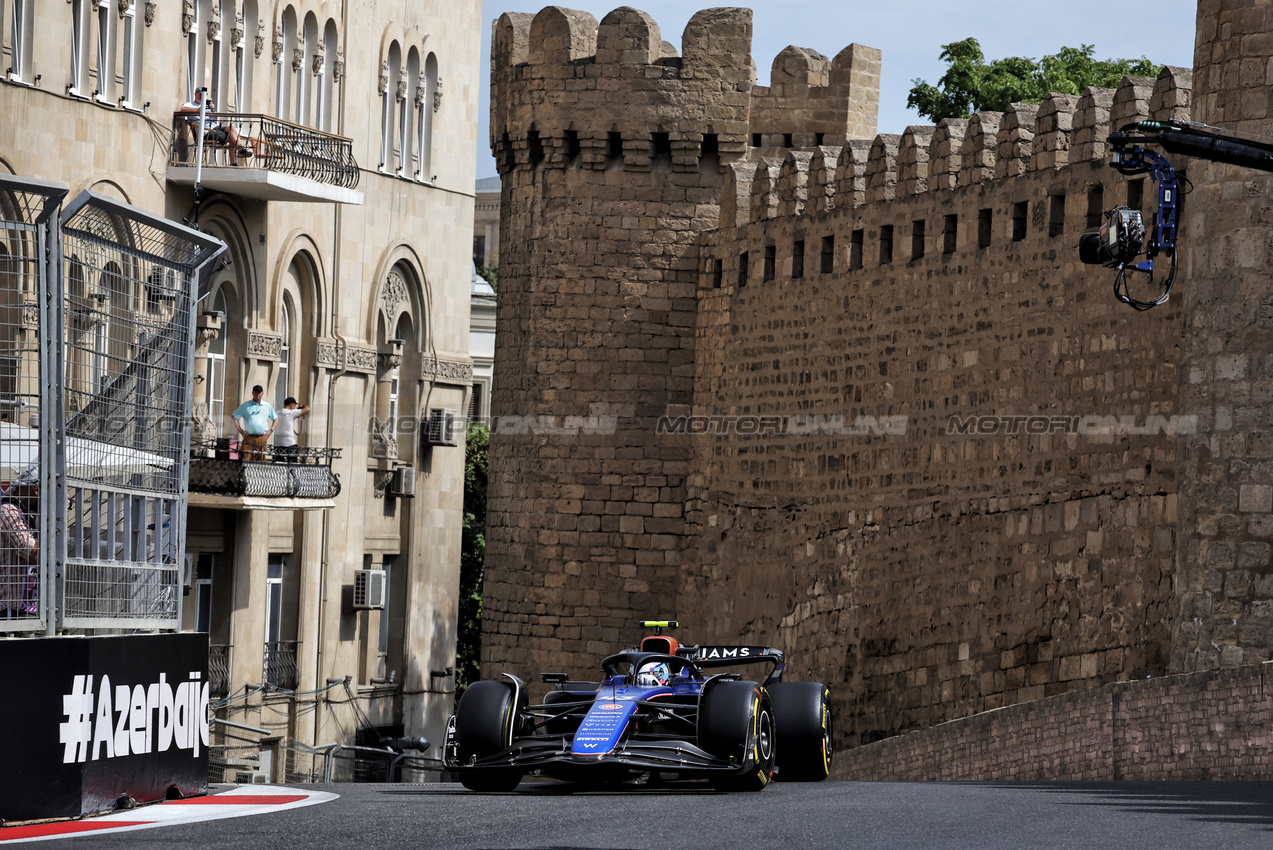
pixel 472 558
pixel 971 85
pixel 491 275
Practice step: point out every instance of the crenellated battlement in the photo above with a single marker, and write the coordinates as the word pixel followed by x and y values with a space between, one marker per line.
pixel 988 147
pixel 567 91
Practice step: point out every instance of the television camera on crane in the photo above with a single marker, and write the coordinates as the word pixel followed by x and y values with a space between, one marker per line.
pixel 1123 237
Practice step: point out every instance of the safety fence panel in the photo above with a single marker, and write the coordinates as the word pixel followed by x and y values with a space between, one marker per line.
pixel 28 275
pixel 129 305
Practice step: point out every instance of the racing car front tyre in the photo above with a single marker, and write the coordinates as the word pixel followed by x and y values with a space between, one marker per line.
pixel 802 715
pixel 490 782
pixel 735 716
pixel 486 721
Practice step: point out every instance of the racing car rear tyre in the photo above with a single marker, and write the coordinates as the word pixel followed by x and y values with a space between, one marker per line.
pixel 734 717
pixel 802 714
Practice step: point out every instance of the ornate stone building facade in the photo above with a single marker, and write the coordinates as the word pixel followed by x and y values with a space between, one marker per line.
pixel 346 204
pixel 866 404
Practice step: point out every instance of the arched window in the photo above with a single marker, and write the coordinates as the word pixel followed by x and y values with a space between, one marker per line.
pixel 283 385
pixel 283 91
pixel 327 77
pixel 426 117
pixel 309 48
pixel 216 364
pixel 245 33
pixel 392 71
pixel 196 42
pixel 411 106
pixel 218 88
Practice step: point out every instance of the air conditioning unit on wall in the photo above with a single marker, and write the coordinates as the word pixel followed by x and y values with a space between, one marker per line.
pixel 403 482
pixel 370 589
pixel 442 428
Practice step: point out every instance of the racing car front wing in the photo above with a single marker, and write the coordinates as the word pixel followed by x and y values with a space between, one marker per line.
pixel 538 752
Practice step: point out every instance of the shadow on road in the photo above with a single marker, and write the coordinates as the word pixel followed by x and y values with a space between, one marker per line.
pixel 1215 801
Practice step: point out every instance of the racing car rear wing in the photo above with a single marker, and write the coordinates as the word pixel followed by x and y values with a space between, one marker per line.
pixel 728 656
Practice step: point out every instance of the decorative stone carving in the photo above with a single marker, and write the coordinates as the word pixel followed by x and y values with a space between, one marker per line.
pixel 437 94
pixel 124 6
pixel 393 293
pixel 151 8
pixel 338 67
pixel 31 315
pixel 259 47
pixel 402 90
pixel 187 16
pixel 316 65
pixel 214 30
pixel 383 85
pixel 419 96
pixel 328 354
pixel 236 32
pixel 384 442
pixel 361 360
pixel 387 362
pixel 276 49
pixel 265 346
pixel 203 432
pixel 298 59
pixel 455 372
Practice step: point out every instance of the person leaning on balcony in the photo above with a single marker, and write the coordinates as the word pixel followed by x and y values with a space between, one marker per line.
pixel 287 427
pixel 215 132
pixel 255 420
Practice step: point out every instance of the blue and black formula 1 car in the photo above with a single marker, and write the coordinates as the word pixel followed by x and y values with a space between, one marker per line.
pixel 658 712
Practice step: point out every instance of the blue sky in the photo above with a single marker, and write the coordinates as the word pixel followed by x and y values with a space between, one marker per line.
pixel 910 33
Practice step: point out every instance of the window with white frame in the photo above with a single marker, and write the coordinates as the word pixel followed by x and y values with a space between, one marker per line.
pixel 411 106
pixel 203 592
pixel 426 117
pixel 282 385
pixel 283 91
pixel 81 26
pixel 391 72
pixel 133 33
pixel 274 599
pixel 15 39
pixel 216 365
pixel 105 70
pixel 304 73
pixel 327 76
pixel 216 47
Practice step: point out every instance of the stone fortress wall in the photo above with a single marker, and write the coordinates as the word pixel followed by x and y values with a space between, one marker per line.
pixel 725 268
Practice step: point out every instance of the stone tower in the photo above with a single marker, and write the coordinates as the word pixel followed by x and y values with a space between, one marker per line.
pixel 1224 588
pixel 612 149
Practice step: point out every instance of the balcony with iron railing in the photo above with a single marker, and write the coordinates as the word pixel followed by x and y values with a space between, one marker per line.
pixel 218 671
pixel 273 159
pixel 278 665
pixel 275 478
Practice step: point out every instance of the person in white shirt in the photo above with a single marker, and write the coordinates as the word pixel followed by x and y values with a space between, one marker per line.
pixel 287 427
pixel 213 130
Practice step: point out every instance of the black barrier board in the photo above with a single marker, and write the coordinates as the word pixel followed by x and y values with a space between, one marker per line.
pixel 86 719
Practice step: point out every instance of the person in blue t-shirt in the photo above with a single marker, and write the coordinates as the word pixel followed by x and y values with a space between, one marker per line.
pixel 255 420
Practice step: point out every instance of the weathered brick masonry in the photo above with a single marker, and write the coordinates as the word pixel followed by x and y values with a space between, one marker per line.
pixel 726 269
pixel 1212 725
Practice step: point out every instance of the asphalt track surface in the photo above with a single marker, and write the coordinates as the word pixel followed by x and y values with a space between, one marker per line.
pixel 1157 815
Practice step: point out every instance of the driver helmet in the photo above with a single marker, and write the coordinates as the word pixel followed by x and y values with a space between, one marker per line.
pixel 653 674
